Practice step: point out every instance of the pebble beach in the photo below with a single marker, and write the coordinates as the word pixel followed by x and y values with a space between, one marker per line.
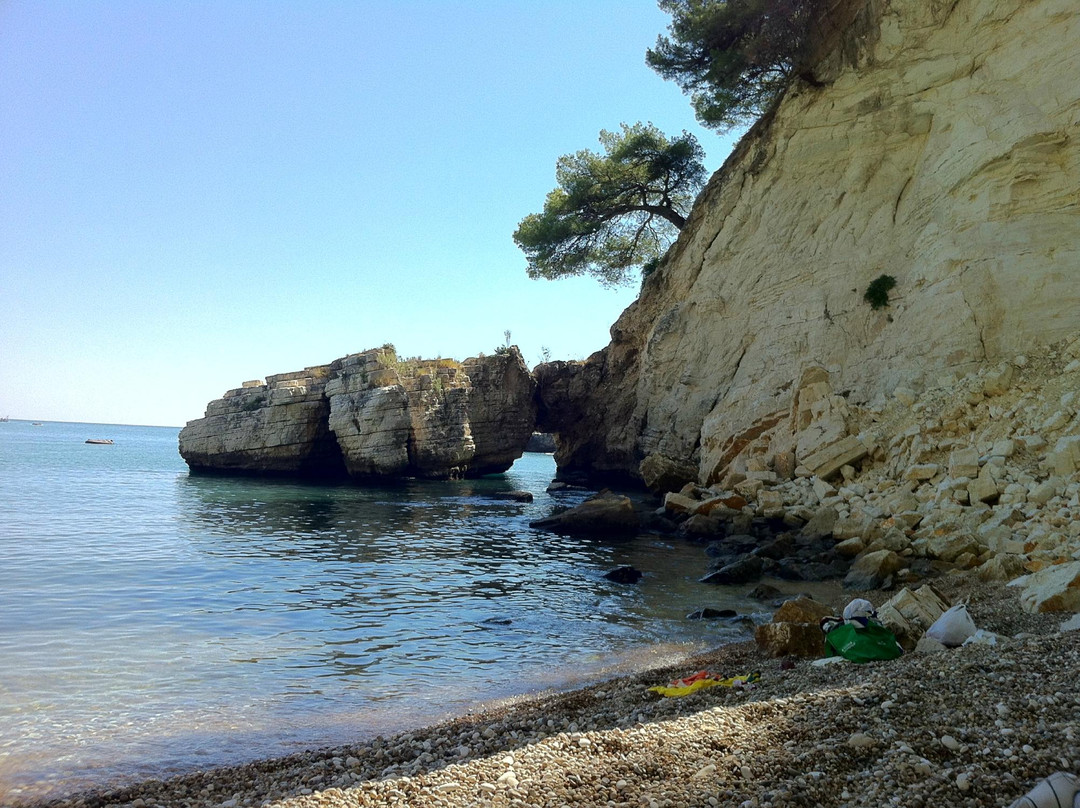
pixel 972 726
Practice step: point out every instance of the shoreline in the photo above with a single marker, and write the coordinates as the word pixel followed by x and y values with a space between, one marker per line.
pixel 973 726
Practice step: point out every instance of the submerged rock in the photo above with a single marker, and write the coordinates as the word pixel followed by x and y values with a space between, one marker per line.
pixel 624 575
pixel 709 613
pixel 604 514
pixel 513 496
pixel 742 571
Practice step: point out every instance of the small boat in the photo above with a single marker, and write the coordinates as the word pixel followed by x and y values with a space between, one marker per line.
pixel 4 419
pixel 36 423
pixel 100 441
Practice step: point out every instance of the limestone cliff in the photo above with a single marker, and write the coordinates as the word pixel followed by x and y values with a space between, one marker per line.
pixel 371 414
pixel 941 148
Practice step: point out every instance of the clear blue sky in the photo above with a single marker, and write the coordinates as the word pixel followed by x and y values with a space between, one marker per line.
pixel 195 194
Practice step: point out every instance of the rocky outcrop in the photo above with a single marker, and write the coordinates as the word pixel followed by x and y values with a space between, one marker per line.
pixel 603 514
pixel 500 409
pixel 372 414
pixel 276 427
pixel 395 418
pixel 940 148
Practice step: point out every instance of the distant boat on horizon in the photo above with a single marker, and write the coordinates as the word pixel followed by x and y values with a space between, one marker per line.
pixel 100 441
pixel 5 419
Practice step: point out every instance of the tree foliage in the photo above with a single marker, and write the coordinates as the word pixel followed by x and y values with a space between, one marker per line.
pixel 734 57
pixel 614 211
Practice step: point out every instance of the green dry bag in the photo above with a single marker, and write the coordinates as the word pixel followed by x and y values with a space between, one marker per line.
pixel 862 644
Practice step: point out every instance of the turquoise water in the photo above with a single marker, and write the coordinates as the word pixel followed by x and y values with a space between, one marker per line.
pixel 152 622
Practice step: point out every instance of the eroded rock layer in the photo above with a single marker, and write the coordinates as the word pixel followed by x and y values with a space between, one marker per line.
pixel 941 149
pixel 276 427
pixel 371 414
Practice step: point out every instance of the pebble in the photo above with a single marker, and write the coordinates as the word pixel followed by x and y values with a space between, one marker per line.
pixel 950 743
pixel 859 740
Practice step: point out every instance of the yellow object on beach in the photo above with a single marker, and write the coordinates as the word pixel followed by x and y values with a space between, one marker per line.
pixel 684 687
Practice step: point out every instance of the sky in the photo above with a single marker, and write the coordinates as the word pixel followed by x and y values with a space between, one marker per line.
pixel 197 194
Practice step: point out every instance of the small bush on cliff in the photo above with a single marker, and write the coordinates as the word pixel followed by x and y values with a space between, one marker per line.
pixel 877 293
pixel 614 211
pixel 734 57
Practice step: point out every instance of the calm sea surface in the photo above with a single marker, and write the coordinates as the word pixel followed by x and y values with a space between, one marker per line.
pixel 153 622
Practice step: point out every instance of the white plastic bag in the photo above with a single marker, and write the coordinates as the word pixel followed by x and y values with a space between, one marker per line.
pixel 982 637
pixel 1059 790
pixel 953 627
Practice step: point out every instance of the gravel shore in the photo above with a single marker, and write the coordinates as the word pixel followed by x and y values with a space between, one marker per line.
pixel 975 726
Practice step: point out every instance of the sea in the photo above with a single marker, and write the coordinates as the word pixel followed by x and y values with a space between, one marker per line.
pixel 154 622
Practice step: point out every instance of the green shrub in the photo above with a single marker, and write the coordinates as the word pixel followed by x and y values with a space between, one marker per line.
pixel 877 293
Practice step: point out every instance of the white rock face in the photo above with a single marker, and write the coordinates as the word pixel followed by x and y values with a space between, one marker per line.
pixel 945 156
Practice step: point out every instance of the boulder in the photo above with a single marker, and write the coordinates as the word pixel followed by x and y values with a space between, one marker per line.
pixel 763 592
pixel 700 525
pixel 742 571
pixel 779 548
pixel 604 514
pixel 964 463
pixel 801 610
pixel 870 570
pixel 790 639
pixel 821 523
pixel 1002 567
pixel 624 575
pixel 791 569
pixel 708 613
pixel 677 502
pixel 827 461
pixel 852 527
pixel 1065 458
pixel 1053 589
pixel 997 381
pixel 909 614
pixel 921 472
pixel 892 539
pixel 951 546
pixel 850 548
pixel 662 473
pixel 725 505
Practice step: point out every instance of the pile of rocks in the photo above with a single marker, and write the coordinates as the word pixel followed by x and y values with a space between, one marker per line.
pixel 981 474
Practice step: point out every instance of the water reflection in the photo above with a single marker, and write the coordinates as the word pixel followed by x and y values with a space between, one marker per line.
pixel 166 618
